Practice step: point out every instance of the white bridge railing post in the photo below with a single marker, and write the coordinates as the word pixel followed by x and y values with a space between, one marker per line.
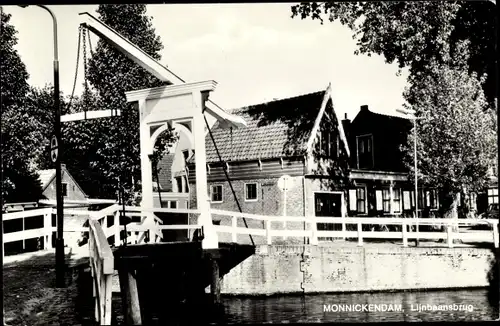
pixel 268 232
pixel 495 233
pixel 449 232
pixel 47 224
pixel 360 234
pixel 314 235
pixel 234 224
pixel 404 230
pixel 116 226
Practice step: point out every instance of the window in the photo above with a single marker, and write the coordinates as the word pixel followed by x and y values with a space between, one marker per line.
pixel 473 201
pixel 426 199
pixel 65 189
pixel 493 196
pixel 378 199
pixel 396 200
pixel 420 199
pixel 216 194
pixel 386 200
pixel 178 181
pixel 250 192
pixel 357 200
pixel 431 199
pixel 360 200
pixel 434 199
pixel 365 151
pixel 352 200
pixel 407 202
pixel 328 144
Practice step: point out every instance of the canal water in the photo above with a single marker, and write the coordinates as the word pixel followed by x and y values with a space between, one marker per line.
pixel 459 305
pixel 463 305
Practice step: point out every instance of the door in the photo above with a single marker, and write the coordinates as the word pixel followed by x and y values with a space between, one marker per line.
pixel 328 205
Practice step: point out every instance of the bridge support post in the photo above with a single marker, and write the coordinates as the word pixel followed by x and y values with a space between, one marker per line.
pixel 215 281
pixel 130 297
pixel 210 240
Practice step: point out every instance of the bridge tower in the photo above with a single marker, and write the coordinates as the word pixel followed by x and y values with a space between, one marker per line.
pixel 180 107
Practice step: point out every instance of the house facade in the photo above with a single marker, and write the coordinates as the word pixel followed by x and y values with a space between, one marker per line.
pixel 172 176
pixel 379 177
pixel 292 159
pixel 70 188
pixel 296 157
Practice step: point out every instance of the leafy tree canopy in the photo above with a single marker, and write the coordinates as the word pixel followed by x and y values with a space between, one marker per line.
pixel 20 134
pixel 414 33
pixel 457 137
pixel 114 142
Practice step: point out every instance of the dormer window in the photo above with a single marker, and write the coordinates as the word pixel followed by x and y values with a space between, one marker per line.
pixel 365 151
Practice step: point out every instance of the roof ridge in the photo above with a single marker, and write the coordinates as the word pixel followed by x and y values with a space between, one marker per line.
pixel 390 115
pixel 243 108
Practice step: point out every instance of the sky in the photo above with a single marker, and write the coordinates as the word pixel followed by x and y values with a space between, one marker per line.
pixel 255 52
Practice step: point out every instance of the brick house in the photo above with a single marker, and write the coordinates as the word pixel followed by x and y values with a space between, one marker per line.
pixel 379 177
pixel 172 177
pixel 300 139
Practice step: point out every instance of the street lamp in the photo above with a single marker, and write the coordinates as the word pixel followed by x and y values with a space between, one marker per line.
pixel 56 151
pixel 411 115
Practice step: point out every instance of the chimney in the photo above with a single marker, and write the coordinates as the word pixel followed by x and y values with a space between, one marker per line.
pixel 346 124
pixel 364 108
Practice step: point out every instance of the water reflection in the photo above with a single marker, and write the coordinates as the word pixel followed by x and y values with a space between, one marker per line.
pixel 310 308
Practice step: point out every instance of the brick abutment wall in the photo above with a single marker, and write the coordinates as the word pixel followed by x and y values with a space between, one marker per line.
pixel 309 269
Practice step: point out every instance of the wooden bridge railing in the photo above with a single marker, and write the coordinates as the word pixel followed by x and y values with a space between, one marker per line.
pixel 101 262
pixel 44 231
pixel 449 228
pixel 259 225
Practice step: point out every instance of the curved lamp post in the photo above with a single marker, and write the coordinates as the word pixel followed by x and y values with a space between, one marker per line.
pixel 57 135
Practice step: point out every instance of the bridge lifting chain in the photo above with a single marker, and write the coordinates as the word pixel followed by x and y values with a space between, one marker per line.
pixel 226 174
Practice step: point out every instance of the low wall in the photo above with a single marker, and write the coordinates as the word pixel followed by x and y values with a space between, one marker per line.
pixel 310 269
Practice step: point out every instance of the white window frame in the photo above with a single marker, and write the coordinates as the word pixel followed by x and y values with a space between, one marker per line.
pixel 221 193
pixel 366 200
pixel 394 200
pixel 386 199
pixel 256 191
pixel 403 201
pixel 492 195
pixel 343 207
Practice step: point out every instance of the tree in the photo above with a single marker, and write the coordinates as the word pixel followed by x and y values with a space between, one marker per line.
pixel 40 104
pixel 456 140
pixel 115 141
pixel 19 132
pixel 450 50
pixel 413 33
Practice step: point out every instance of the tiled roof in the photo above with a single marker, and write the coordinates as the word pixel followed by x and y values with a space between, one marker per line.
pixel 165 172
pixel 46 176
pixel 389 122
pixel 274 129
